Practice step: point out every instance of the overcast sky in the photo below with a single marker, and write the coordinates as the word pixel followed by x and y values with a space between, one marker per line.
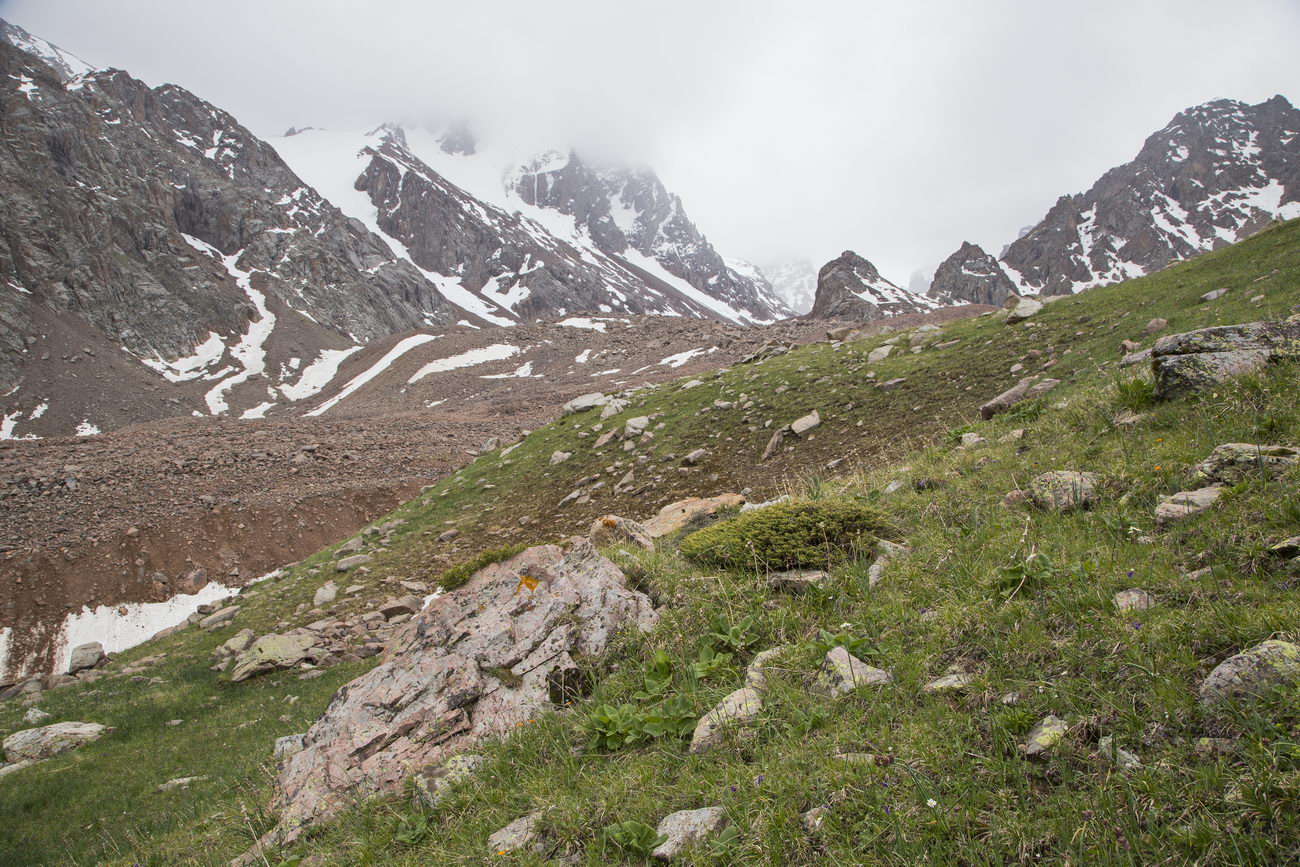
pixel 790 129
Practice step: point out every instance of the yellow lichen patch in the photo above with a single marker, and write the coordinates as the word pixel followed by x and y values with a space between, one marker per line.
pixel 526 581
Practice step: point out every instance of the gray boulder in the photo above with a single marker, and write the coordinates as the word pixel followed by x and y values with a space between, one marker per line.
pixel 1022 309
pixel 276 651
pixel 1234 462
pixel 1029 388
pixel 1185 504
pixel 38 744
pixel 1195 360
pixel 432 783
pixel 685 827
pixel 1064 490
pixel 737 709
pixel 1253 671
pixel 842 673
pixel 84 656
pixel 534 615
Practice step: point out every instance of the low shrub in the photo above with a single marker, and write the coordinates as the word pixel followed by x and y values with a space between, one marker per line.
pixel 460 573
pixel 788 536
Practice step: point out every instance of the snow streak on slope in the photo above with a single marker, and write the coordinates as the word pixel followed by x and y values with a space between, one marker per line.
pixel 482 355
pixel 402 347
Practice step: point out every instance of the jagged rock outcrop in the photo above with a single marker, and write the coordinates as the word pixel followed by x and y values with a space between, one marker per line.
pixel 477 662
pixel 971 276
pixel 850 287
pixel 1218 172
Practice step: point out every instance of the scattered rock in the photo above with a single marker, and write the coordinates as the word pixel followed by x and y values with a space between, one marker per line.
pixel 220 618
pixel 1122 758
pixel 1251 672
pixel 694 457
pixel 180 783
pixel 521 835
pixel 801 426
pixel 842 672
pixel 1064 490
pixel 38 744
pixel 737 709
pixel 688 512
pixel 971 439
pixel 1195 360
pixel 612 530
pixel 880 353
pixel 325 594
pixel 957 682
pixel 35 716
pixel 275 651
pixel 1133 600
pixel 756 671
pixel 1184 504
pixel 685 827
pixel 1044 736
pixel 798 580
pixel 812 819
pixel 85 656
pixel 584 402
pixel 346 564
pixel 405 606
pixel 1021 309
pixel 885 551
pixel 1029 388
pixel 1214 295
pixel 559 457
pixel 1142 356
pixel 1231 463
pixel 774 444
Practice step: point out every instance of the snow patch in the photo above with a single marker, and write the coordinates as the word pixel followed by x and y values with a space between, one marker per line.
pixel 318 374
pixel 402 347
pixel 85 429
pixel 482 355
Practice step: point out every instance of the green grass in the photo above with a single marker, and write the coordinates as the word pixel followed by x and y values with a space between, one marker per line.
pixel 1018 597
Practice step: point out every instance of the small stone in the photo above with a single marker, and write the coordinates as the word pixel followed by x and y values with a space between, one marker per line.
pixel 812 819
pixel 84 656
pixel 347 564
pixel 40 743
pixel 1214 295
pixel 801 426
pixel 1121 757
pixel 559 457
pixel 219 618
pixel 1156 325
pixel 1185 504
pixel 1044 736
pixel 179 783
pixel 519 835
pixel 1064 490
pixel 957 682
pixel 695 457
pixel 685 827
pixel 971 439
pixel 842 673
pixel 738 708
pixel 1133 599
pixel 325 594
pixel 798 580
pixel 35 716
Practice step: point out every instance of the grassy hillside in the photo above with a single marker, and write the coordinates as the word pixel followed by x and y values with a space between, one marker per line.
pixel 1017 597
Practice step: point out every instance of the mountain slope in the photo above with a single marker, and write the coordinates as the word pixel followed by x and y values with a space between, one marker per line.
pixel 794 281
pixel 1017 598
pixel 1216 173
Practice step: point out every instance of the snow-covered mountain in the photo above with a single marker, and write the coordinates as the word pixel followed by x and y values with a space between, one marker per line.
pixel 470 217
pixel 794 281
pixel 161 260
pixel 67 66
pixel 850 287
pixel 1215 174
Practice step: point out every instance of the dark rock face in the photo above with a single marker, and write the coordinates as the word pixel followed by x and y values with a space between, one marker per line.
pixel 629 211
pixel 850 287
pixel 518 270
pixel 1215 174
pixel 158 221
pixel 973 276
